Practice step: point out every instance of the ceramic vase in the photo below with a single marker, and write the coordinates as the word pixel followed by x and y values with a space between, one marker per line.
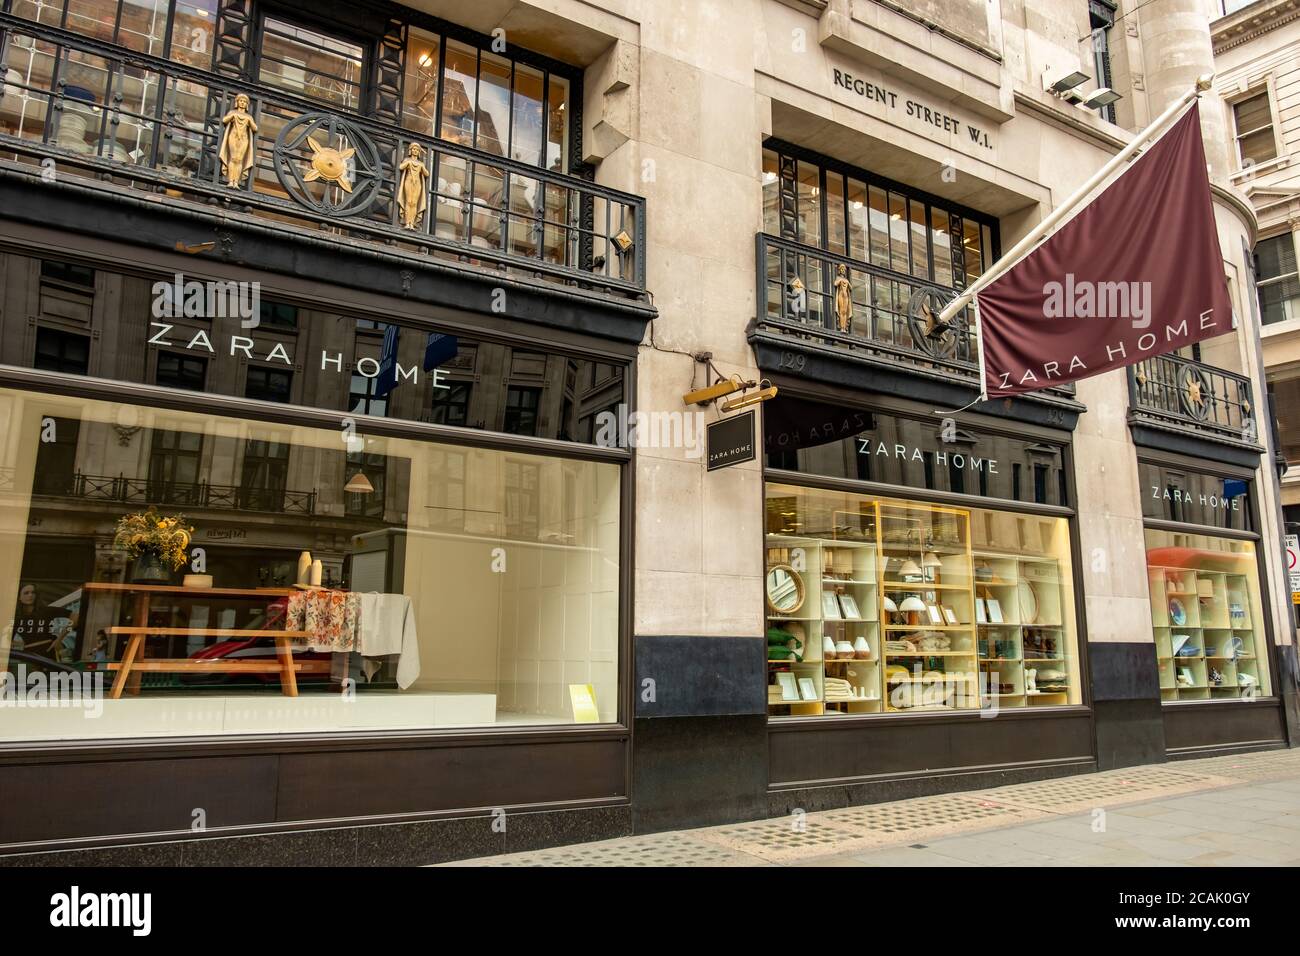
pixel 861 649
pixel 828 649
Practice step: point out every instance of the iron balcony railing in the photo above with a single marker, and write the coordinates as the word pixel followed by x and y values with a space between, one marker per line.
pixel 188 494
pixel 891 316
pixel 149 123
pixel 1192 396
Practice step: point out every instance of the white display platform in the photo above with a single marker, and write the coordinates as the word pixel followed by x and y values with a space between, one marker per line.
pixel 170 716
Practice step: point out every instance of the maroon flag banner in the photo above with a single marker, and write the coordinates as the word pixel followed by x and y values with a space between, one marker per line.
pixel 1136 273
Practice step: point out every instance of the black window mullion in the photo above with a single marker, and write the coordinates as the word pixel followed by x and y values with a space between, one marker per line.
pixel 929 241
pixel 821 208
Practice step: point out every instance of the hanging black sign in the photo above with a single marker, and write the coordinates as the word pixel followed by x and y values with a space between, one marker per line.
pixel 731 441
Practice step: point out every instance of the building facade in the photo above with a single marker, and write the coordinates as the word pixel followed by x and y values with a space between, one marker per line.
pixel 1256 47
pixel 414 292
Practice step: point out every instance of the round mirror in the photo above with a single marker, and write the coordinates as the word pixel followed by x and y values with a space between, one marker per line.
pixel 784 589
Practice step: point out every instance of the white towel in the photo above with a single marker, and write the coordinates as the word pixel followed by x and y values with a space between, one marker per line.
pixel 387 627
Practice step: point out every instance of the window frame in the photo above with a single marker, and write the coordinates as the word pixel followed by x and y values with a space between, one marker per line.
pixel 1265 89
pixel 1262 283
pixel 909 194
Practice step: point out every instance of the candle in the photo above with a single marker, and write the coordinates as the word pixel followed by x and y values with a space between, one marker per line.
pixel 304 567
pixel 316 573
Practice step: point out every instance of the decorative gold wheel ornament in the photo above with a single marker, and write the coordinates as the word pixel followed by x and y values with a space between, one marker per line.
pixel 329 164
pixel 1195 394
pixel 318 149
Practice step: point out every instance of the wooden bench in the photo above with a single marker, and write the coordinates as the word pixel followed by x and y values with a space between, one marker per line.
pixel 133 661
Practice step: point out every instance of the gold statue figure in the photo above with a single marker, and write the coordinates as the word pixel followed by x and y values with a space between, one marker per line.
pixel 237 142
pixel 413 190
pixel 843 298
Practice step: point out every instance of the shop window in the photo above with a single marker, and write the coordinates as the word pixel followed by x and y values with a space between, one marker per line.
pixel 59 351
pixel 879 605
pixel 420 91
pixel 175 461
pixel 1284 401
pixel 68 273
pixel 56 457
pixel 364 482
pixel 264 475
pixel 1276 279
pixel 193 32
pixel 458 644
pixel 451 405
pixel 1207 617
pixel 311 62
pixel 1256 141
pixel 181 371
pixel 363 398
pixel 521 410
pixel 269 384
pixel 278 315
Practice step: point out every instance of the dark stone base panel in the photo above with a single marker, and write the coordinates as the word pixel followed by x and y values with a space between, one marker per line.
pixel 1129 733
pixel 821 752
pixel 1203 730
pixel 700 676
pixel 698 771
pixel 395 844
pixel 335 784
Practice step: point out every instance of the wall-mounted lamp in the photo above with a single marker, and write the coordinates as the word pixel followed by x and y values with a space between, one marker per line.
pixel 753 398
pixel 1058 86
pixel 722 386
pixel 1100 98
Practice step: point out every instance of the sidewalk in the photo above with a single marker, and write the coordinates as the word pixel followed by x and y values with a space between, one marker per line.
pixel 1242 810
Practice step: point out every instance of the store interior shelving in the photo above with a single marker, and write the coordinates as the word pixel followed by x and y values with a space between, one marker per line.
pixel 1204 634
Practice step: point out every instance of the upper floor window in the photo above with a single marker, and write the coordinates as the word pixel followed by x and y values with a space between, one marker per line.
pixel 1101 17
pixel 472 96
pixel 1277 280
pixel 1254 120
pixel 820 202
pixel 311 62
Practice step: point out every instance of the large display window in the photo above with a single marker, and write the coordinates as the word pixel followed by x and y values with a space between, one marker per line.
pixel 1207 610
pixel 1207 617
pixel 327 580
pixel 881 605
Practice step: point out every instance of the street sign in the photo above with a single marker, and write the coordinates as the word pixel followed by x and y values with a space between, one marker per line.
pixel 1293 563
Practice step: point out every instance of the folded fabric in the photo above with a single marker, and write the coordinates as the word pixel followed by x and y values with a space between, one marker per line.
pixel 329 617
pixel 387 627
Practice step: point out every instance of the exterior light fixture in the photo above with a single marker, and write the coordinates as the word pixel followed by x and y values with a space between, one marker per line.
pixel 1102 97
pixel 755 398
pixel 1058 86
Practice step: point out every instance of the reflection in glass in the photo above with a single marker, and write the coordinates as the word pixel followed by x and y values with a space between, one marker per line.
pixel 396 524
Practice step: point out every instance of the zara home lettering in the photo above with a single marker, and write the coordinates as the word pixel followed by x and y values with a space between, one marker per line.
pixel 366 367
pixel 1189 498
pixel 1117 353
pixel 957 459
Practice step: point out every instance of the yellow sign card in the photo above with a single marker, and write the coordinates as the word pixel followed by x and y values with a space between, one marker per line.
pixel 584 704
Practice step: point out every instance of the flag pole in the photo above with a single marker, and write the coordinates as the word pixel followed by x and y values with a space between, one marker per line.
pixel 1040 231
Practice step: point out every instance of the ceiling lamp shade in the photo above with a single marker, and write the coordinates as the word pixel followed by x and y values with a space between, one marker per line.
pixel 890 606
pixel 909 567
pixel 931 560
pixel 359 484
pixel 912 603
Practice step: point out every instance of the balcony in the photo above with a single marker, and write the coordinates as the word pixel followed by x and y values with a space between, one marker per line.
pixel 1174 394
pixel 894 327
pixel 197 495
pixel 80 109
